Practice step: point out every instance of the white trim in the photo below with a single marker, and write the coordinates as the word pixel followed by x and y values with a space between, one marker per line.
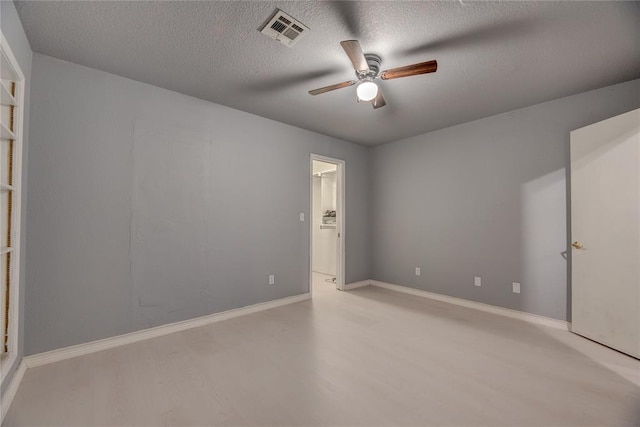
pixel 340 219
pixel 158 331
pixel 14 304
pixel 11 390
pixel 514 314
pixel 355 285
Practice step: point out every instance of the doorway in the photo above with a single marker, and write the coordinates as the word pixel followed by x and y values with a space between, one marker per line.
pixel 326 223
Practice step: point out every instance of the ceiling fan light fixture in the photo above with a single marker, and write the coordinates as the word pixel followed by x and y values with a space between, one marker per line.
pixel 367 90
pixel 367 68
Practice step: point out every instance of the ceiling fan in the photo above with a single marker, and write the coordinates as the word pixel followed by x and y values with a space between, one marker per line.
pixel 367 68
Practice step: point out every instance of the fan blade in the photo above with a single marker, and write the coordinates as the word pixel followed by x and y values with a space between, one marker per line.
pixel 332 87
pixel 354 52
pixel 378 101
pixel 410 70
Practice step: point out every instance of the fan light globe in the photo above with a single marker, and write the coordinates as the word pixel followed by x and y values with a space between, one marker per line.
pixel 367 90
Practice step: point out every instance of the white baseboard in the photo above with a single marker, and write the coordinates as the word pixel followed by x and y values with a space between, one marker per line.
pixel 515 314
pixel 11 390
pixel 117 341
pixel 355 285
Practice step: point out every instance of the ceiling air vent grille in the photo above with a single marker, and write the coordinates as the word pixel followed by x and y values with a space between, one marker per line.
pixel 278 26
pixel 284 28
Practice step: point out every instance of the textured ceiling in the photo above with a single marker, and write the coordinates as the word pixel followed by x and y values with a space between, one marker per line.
pixel 493 56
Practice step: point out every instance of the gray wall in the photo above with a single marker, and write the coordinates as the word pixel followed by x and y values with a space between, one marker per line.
pixel 486 198
pixel 86 138
pixel 12 29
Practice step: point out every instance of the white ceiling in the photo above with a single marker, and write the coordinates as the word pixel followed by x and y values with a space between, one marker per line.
pixel 492 57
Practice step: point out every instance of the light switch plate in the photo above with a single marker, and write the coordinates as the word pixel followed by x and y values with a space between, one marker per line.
pixel 417 271
pixel 516 287
pixel 301 216
pixel 477 281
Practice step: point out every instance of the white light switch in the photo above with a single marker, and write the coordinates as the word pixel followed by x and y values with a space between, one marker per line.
pixel 516 287
pixel 272 279
pixel 417 271
pixel 301 216
pixel 477 281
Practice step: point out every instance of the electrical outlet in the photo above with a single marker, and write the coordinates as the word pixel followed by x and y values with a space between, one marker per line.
pixel 272 279
pixel 516 287
pixel 477 281
pixel 417 271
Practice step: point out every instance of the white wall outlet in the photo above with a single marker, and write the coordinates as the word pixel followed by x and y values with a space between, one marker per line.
pixel 301 216
pixel 417 271
pixel 272 279
pixel 477 281
pixel 516 287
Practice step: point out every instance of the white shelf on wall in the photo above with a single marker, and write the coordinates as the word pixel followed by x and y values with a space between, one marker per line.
pixel 6 187
pixel 5 96
pixel 5 250
pixel 327 226
pixel 5 133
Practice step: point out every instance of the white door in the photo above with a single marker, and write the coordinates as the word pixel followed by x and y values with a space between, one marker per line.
pixel 605 231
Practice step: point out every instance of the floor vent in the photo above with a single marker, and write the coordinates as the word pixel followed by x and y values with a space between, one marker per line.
pixel 284 28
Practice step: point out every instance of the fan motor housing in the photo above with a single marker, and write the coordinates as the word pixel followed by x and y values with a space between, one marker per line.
pixel 374 62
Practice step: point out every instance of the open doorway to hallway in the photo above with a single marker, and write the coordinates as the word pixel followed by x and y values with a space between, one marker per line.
pixel 326 223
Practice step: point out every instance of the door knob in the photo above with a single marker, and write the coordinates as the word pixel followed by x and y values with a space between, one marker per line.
pixel 577 245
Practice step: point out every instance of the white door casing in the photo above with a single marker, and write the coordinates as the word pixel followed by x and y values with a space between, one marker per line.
pixel 605 232
pixel 340 219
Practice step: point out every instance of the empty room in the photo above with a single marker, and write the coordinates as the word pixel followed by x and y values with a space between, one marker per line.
pixel 320 213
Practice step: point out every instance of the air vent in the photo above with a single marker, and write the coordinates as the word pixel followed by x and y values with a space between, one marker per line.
pixel 284 28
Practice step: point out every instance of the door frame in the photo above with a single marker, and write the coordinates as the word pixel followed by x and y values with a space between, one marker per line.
pixel 340 218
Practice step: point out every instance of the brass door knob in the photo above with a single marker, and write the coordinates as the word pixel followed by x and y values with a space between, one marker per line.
pixel 577 245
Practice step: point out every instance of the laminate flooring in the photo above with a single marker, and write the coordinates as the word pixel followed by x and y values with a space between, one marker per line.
pixel 367 357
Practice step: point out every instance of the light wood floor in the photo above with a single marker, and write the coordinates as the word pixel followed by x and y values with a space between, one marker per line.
pixel 365 357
